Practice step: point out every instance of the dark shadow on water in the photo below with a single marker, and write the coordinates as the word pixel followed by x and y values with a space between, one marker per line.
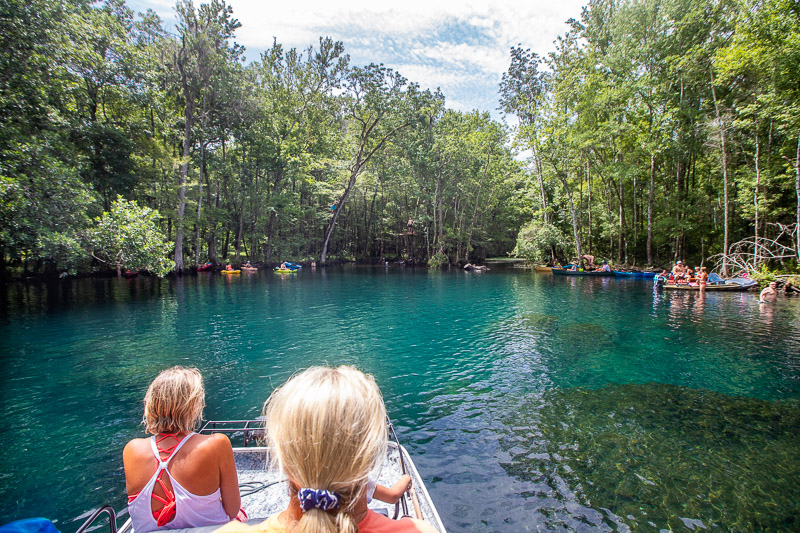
pixel 654 457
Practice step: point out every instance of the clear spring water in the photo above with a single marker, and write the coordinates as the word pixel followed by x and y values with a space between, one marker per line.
pixel 528 402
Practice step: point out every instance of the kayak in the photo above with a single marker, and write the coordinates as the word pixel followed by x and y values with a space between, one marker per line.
pixel 249 269
pixel 230 271
pixel 591 273
pixel 630 274
pixel 284 271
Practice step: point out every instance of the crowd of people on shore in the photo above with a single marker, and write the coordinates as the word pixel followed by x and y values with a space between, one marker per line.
pixel 326 431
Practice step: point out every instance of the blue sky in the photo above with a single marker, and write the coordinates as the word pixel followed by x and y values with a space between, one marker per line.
pixel 462 48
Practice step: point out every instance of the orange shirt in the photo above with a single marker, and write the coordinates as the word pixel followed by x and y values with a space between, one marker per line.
pixel 372 523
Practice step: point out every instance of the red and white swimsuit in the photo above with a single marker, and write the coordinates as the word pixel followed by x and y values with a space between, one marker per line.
pixel 181 508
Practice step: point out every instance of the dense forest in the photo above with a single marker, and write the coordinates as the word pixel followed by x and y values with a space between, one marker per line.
pixel 656 130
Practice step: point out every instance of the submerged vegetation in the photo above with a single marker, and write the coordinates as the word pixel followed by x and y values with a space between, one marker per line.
pixel 656 130
pixel 658 457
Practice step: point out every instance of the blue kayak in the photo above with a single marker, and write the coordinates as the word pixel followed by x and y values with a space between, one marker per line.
pixel 629 274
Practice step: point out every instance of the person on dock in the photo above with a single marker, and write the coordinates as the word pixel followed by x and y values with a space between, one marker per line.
pixel 770 293
pixel 702 278
pixel 327 430
pixel 679 272
pixel 195 482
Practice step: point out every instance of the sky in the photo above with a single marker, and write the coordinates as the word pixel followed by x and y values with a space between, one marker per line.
pixel 461 48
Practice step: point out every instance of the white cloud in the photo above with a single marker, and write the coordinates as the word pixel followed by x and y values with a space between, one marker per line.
pixel 487 58
pixel 461 47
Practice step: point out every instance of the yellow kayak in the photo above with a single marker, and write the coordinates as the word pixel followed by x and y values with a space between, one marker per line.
pixel 230 271
pixel 284 271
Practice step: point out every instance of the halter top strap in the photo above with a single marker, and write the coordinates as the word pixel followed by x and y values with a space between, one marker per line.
pixel 171 450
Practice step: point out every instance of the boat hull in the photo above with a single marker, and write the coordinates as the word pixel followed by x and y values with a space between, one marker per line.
pixel 728 287
pixel 230 272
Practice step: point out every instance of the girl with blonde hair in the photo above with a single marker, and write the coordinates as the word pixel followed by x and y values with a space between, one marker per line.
pixel 194 483
pixel 326 429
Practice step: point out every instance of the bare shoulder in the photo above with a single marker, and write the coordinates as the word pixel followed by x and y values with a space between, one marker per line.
pixel 213 443
pixel 136 448
pixel 137 455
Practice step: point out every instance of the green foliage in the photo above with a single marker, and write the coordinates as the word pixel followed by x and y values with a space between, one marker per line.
pixel 538 242
pixel 620 126
pixel 128 237
pixel 438 260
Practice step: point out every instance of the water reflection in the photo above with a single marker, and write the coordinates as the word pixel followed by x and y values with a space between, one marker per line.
pixel 518 394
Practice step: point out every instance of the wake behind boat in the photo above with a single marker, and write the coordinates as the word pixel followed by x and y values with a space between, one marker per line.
pixel 265 491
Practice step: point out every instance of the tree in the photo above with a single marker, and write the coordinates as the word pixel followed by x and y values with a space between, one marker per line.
pixel 205 51
pixel 539 242
pixel 380 103
pixel 127 236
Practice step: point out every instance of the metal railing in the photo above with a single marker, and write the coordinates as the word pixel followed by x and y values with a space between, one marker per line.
pixel 106 509
pixel 251 430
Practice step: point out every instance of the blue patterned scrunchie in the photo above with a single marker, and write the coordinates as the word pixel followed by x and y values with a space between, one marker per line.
pixel 318 499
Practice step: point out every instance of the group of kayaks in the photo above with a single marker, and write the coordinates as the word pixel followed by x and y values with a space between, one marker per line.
pixel 291 268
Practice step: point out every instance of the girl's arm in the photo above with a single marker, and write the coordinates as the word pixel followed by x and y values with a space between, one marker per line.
pixel 228 479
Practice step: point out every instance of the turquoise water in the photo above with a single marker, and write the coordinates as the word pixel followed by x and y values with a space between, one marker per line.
pixel 527 401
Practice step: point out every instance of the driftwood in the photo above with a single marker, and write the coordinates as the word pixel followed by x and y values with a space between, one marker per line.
pixel 749 254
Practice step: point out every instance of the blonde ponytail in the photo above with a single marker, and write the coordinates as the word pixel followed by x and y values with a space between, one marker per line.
pixel 326 429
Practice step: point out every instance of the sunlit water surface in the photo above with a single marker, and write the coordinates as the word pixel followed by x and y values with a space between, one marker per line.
pixel 528 402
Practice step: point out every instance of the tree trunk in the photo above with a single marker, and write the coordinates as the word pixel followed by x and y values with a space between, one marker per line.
pixel 475 210
pixel 650 211
pixel 538 162
pixel 755 200
pixel 589 186
pixel 575 229
pixel 353 175
pixel 187 137
pixel 203 170
pixel 724 176
pixel 620 254
pixel 797 191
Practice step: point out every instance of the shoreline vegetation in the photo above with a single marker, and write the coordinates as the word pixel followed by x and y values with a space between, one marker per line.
pixel 655 131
